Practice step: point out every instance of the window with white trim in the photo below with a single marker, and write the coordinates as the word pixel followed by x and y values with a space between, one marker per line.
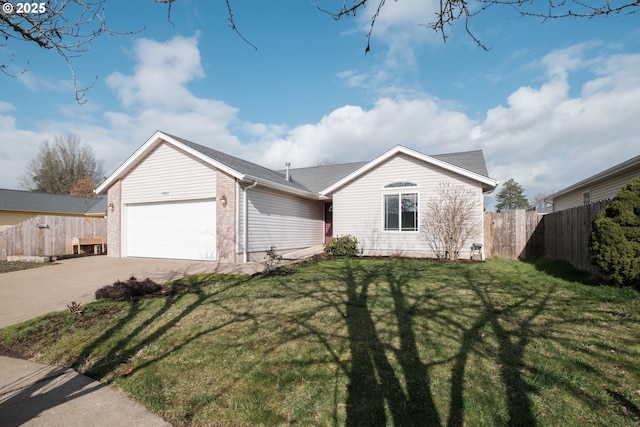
pixel 401 212
pixel 586 198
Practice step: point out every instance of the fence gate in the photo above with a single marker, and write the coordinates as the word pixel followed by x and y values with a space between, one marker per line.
pixel 49 235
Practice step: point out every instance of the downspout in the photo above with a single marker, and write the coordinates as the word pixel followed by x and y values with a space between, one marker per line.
pixel 245 230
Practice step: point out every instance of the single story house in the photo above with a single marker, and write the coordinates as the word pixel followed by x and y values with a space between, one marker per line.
pixel 17 206
pixel 173 198
pixel 601 186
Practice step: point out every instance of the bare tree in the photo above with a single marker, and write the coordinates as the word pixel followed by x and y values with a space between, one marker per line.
pixel 327 161
pixel 65 26
pixel 67 166
pixel 450 220
pixel 451 11
pixel 83 187
pixel 70 26
pixel 539 201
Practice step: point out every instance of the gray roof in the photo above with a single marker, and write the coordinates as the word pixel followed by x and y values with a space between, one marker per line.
pixel 317 178
pixel 16 200
pixel 243 166
pixel 470 160
pixel 621 168
pixel 98 208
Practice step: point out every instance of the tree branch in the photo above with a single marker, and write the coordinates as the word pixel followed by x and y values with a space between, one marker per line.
pixel 65 26
pixel 450 11
pixel 232 24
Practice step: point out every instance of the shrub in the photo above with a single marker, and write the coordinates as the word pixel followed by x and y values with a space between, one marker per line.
pixel 271 260
pixel 346 245
pixel 615 237
pixel 132 289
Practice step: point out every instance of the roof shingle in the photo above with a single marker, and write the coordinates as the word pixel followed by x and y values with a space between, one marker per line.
pixel 316 178
pixel 16 200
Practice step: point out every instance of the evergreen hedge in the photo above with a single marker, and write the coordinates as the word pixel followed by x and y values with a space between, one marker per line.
pixel 615 237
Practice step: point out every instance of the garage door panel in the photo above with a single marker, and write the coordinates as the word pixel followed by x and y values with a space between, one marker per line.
pixel 181 230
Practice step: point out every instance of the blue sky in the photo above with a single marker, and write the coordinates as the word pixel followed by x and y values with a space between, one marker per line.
pixel 550 103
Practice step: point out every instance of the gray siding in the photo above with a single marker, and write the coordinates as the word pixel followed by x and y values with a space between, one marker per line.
pixel 605 189
pixel 280 220
pixel 168 174
pixel 358 207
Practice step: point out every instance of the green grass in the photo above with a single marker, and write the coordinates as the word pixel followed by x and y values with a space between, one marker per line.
pixel 365 342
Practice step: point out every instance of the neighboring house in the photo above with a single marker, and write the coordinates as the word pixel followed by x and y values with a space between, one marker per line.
pixel 601 186
pixel 176 199
pixel 17 206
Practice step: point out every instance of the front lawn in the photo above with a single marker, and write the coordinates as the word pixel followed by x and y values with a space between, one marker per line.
pixel 365 342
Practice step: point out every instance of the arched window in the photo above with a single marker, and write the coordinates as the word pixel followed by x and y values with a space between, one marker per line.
pixel 400 184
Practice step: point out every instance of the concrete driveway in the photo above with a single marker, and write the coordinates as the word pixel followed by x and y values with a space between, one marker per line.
pixel 29 293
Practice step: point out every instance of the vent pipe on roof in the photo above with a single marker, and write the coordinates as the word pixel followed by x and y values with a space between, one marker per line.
pixel 287 174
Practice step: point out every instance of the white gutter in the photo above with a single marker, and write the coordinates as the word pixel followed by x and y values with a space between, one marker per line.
pixel 245 231
pixel 281 187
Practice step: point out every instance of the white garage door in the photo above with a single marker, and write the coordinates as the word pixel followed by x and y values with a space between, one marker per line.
pixel 180 230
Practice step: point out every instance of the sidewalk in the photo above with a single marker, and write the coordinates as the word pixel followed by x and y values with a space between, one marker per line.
pixel 32 394
pixel 38 395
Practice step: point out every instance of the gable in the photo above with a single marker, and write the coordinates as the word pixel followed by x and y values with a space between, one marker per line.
pixel 421 161
pixel 404 168
pixel 168 173
pixel 239 169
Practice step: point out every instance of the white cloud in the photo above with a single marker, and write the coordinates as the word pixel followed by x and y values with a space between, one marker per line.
pixel 6 107
pixel 351 133
pixel 17 147
pixel 547 140
pixel 410 16
pixel 561 61
pixel 396 33
pixel 545 137
pixel 161 74
pixel 156 97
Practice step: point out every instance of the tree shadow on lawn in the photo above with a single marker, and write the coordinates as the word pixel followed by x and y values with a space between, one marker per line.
pixel 372 377
pixel 400 335
pixel 394 336
pixel 564 271
pixel 122 351
pixel 392 375
pixel 410 402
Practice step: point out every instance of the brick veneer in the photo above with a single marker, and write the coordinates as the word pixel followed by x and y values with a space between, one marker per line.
pixel 114 197
pixel 226 188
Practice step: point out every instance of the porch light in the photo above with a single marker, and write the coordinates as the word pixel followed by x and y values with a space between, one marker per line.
pixel 223 201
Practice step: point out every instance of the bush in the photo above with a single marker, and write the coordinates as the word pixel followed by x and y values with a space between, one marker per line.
pixel 615 237
pixel 130 290
pixel 346 245
pixel 271 260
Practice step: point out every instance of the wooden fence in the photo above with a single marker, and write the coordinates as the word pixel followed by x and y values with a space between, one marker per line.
pixel 512 234
pixel 562 235
pixel 46 235
pixel 566 235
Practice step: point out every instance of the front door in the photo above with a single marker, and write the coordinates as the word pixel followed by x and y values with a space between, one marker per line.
pixel 328 221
